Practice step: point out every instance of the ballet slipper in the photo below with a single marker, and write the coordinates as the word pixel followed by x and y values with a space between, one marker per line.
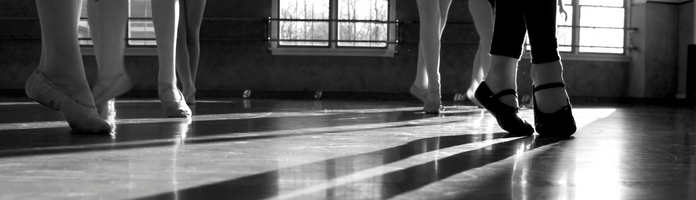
pixel 507 116
pixel 417 93
pixel 190 96
pixel 560 123
pixel 176 107
pixel 433 104
pixel 109 87
pixel 74 102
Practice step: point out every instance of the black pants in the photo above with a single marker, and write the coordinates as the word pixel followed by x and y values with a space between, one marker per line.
pixel 514 18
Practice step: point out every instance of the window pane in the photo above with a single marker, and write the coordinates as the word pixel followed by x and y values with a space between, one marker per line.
pixel 565 38
pixel 304 30
pixel 140 9
pixel 365 31
pixel 618 3
pixel 604 17
pixel 139 31
pixel 83 27
pixel 602 38
pixel 83 32
pixel 564 31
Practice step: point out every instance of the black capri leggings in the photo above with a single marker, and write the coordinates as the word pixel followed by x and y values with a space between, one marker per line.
pixel 514 18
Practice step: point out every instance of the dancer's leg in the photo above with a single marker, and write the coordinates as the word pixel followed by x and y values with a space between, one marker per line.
pixel 549 100
pixel 61 56
pixel 444 10
pixel 107 22
pixel 546 65
pixel 59 82
pixel 506 48
pixel 422 75
pixel 421 81
pixel 188 45
pixel 503 75
pixel 482 13
pixel 429 12
pixel 165 16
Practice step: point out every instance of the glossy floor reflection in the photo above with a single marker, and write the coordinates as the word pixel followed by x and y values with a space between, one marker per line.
pixel 295 149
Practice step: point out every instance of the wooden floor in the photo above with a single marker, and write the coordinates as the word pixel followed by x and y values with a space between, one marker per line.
pixel 330 149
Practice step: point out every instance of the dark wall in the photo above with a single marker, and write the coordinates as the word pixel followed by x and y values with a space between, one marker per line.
pixel 234 57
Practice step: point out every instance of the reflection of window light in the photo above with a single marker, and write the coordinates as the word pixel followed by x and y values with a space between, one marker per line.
pixel 140 30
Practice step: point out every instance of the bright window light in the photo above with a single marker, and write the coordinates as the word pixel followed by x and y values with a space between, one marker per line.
pixel 365 31
pixel 304 31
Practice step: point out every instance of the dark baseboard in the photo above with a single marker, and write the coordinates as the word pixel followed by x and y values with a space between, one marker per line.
pixel 374 96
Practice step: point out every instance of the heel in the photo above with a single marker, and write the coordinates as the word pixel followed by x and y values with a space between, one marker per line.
pixel 76 104
pixel 415 92
pixel 110 87
pixel 191 97
pixel 472 98
pixel 507 116
pixel 174 108
pixel 558 124
pixel 433 105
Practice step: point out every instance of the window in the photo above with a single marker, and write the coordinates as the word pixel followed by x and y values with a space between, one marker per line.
pixel 596 27
pixel 140 30
pixel 333 27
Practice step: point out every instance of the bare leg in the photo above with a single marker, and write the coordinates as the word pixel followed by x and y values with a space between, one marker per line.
pixel 61 56
pixel 61 67
pixel 421 81
pixel 188 45
pixel 549 100
pixel 482 13
pixel 107 21
pixel 503 75
pixel 165 16
pixel 432 24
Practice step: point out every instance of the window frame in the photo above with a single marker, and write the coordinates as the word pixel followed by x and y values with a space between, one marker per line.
pixel 575 53
pixel 333 49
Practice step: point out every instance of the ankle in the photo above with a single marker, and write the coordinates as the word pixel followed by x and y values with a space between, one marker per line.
pixel 551 100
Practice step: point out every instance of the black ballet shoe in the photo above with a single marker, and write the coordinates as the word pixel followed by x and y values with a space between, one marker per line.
pixel 558 124
pixel 505 115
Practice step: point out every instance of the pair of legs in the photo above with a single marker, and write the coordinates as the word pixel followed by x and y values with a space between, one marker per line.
pixel 498 93
pixel 433 18
pixel 514 19
pixel 177 24
pixel 482 13
pixel 188 48
pixel 108 22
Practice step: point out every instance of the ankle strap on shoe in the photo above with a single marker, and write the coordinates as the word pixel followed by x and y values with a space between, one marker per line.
pixel 503 93
pixel 549 86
